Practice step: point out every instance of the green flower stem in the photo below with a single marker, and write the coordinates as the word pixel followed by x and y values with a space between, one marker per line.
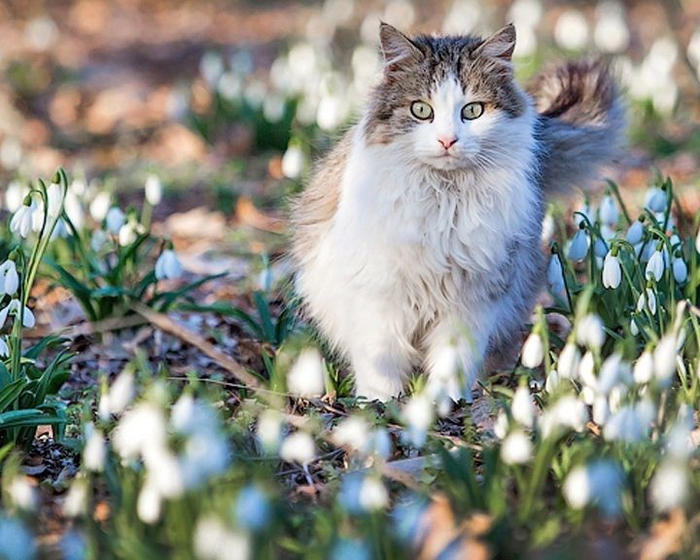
pixel 616 191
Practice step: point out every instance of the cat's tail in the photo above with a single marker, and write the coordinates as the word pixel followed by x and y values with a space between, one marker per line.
pixel 582 122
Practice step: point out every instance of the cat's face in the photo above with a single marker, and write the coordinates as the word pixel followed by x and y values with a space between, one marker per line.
pixel 448 102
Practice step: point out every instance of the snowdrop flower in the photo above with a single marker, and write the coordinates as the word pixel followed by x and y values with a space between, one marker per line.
pixel 15 540
pixel 252 509
pixel 153 190
pixel 118 397
pixel 612 372
pixel 634 329
pixel 697 241
pixel 599 483
pixel 516 449
pixel 380 444
pixel 269 430
pixel 373 494
pixel 555 274
pixel 114 220
pixel 665 360
pixel 168 266
pixel 579 246
pixel 28 320
pixel 670 487
pixel 533 351
pixel 600 247
pixel 569 358
pixel 500 425
pixel 647 300
pixel 22 221
pixel 612 271
pixel 214 541
pixel 293 162
pixel 644 368
pixel 98 240
pixel 141 432
pixel 680 270
pixel 76 500
pixel 655 266
pixel 54 194
pixel 95 451
pixel 523 408
pixel 306 378
pixel 418 414
pixel 601 410
pixel 9 279
pixel 100 207
pixel 589 331
pixel 584 211
pixel 609 214
pixel 552 382
pixel 635 233
pixel 571 30
pixel 22 493
pixel 656 199
pixel 4 348
pixel 127 234
pixel 566 413
pixel 352 433
pixel 298 448
pixel 148 504
pixel 629 424
pixel 211 66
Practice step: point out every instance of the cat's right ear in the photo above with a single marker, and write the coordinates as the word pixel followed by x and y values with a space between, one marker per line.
pixel 398 50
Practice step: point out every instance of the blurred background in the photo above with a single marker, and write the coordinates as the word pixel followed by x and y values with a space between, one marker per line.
pixel 231 99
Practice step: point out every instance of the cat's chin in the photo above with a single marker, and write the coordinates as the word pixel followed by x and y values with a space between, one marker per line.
pixel 445 163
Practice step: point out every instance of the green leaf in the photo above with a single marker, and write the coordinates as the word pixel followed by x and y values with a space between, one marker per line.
pixel 10 393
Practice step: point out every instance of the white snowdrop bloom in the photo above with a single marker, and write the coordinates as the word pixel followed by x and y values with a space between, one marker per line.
pixel 629 424
pixel 647 300
pixel 609 214
pixel 635 232
pixel 191 417
pixel 252 509
pixel 568 362
pixel 214 541
pixel 516 449
pixel 74 209
pixel 616 396
pixel 140 431
pixel 647 251
pixel 523 407
pixel 577 488
pixel 153 190
pixel 76 500
pixel 373 494
pixel 331 112
pixel 525 13
pixel 28 320
pixel 655 266
pixel 298 448
pixel 148 504
pixel 571 30
pixel 168 266
pixel 9 279
pixel 533 351
pixel 22 494
pixel 119 395
pixel 380 444
pixel 634 329
pixel 586 370
pixel 14 196
pixel 22 221
pixel 612 372
pixel 566 413
pixel 670 486
pixel 293 162
pixel 269 430
pixel 589 331
pixel 578 249
pixel 679 441
pixel 4 348
pixel 656 199
pixel 418 414
pixel 98 240
pixel 95 451
pixel 665 360
pixel 611 33
pixel 600 247
pixel 644 368
pixel 54 194
pixel 555 275
pixel 100 207
pixel 205 455
pixel 500 425
pixel 211 66
pixel 599 483
pixel 306 378
pixel 552 382
pixel 127 234
pixel 601 410
pixel 612 271
pixel 352 433
pixel 114 220
pixel 680 270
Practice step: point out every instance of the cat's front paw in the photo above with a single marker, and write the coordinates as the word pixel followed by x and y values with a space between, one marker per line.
pixel 379 389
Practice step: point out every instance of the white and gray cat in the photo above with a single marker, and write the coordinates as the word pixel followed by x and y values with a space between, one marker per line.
pixel 417 241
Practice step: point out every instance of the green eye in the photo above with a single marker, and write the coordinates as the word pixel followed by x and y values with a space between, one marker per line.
pixel 472 111
pixel 421 110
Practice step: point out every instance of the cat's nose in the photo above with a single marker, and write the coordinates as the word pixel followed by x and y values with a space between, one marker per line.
pixel 447 141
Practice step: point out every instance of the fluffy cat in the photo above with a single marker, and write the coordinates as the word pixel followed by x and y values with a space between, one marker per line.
pixel 417 241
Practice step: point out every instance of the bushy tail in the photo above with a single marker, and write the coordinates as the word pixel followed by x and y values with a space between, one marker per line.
pixel 581 122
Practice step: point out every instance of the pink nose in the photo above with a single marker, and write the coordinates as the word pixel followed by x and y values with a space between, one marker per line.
pixel 447 141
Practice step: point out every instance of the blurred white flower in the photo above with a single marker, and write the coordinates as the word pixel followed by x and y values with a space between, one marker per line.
pixel 612 271
pixel 54 194
pixel 298 448
pixel 500 425
pixel 568 362
pixel 95 451
pixel 571 30
pixel 680 270
pixel 656 199
pixel 552 382
pixel 22 493
pixel 100 207
pixel 578 249
pixel 635 233
pixel 418 414
pixel 590 332
pixel 630 423
pixel 665 360
pixel 127 234
pixel 555 275
pixel 153 190
pixel 352 433
pixel 114 220
pixel 98 239
pixel 14 196
pixel 533 351
pixel 22 221
pixel 253 509
pixel 269 430
pixel 655 266
pixel 118 397
pixel 306 378
pixel 611 33
pixel 373 494
pixel 9 279
pixel 634 329
pixel 211 66
pixel 584 211
pixel 600 410
pixel 670 486
pixel 141 432
pixel 149 503
pixel 612 372
pixel 565 413
pixel 600 247
pixel 516 449
pixel 76 500
pixel 168 266
pixel 644 368
pixel 647 300
pixel 380 444
pixel 214 541
pixel 609 214
pixel 523 407
pixel 599 483
pixel 293 162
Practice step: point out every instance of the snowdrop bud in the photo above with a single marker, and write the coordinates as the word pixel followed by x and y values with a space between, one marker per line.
pixel 533 351
pixel 601 411
pixel 656 199
pixel 647 300
pixel 28 320
pixel 306 378
pixel 293 162
pixel 569 358
pixel 577 488
pixel 373 494
pixel 121 393
pixel 148 505
pixel 608 212
pixel 23 219
pixel 665 360
pixel 680 270
pixel 54 194
pixel 589 331
pixel 655 266
pixel 9 279
pixel 669 487
pixel 269 430
pixel 644 368
pixel 168 266
pixel 418 414
pixel 612 271
pixel 500 426
pixel 352 433
pixel 586 370
pixel 95 451
pixel 635 233
pixel 516 449
pixel 555 274
pixel 22 493
pixel 298 448
pixel 127 234
pixel 114 220
pixel 552 382
pixel 153 190
pixel 634 329
pixel 522 407
pixel 579 246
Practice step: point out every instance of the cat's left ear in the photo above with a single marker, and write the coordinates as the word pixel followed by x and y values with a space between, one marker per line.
pixel 499 46
pixel 398 50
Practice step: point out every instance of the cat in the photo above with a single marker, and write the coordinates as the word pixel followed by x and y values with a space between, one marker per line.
pixel 417 240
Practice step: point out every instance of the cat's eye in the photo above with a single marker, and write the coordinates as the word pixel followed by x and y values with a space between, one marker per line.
pixel 421 110
pixel 472 111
